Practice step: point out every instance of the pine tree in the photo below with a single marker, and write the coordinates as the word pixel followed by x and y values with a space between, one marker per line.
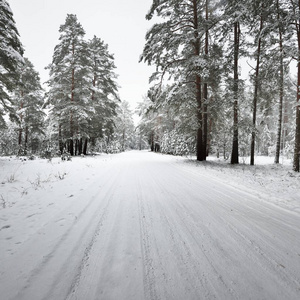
pixel 234 18
pixel 174 46
pixel 124 126
pixel 28 102
pixel 104 97
pixel 279 16
pixel 294 10
pixel 69 83
pixel 11 51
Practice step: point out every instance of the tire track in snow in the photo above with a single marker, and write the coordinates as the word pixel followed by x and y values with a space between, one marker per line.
pixel 88 249
pixel 146 246
pixel 114 269
pixel 275 268
pixel 57 249
pixel 183 257
pixel 254 253
pixel 183 237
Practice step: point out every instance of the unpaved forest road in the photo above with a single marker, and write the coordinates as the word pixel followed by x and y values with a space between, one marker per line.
pixel 148 228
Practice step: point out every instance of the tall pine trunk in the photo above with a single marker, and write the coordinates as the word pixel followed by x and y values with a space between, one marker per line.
pixel 296 166
pixel 26 140
pixel 20 129
pixel 279 125
pixel 20 139
pixel 235 140
pixel 85 146
pixel 255 96
pixel 60 142
pixel 199 147
pixel 71 143
pixel 205 89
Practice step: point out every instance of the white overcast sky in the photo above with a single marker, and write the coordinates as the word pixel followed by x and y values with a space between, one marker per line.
pixel 120 23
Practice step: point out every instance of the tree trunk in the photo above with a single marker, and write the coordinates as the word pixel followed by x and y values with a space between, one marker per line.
pixel 60 143
pixel 256 83
pixel 296 166
pixel 20 139
pixel 235 140
pixel 26 140
pixel 152 141
pixel 80 146
pixel 20 129
pixel 72 100
pixel 199 147
pixel 205 89
pixel 85 146
pixel 279 125
pixel 123 140
pixel 76 147
pixel 71 147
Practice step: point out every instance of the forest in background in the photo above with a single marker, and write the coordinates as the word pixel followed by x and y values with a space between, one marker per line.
pixel 223 83
pixel 200 100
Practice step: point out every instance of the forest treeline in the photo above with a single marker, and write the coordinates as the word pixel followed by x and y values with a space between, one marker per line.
pixel 226 82
pixel 223 80
pixel 81 110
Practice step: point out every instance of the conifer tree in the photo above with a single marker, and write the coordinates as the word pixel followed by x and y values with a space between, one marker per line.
pixel 260 11
pixel 234 16
pixel 69 83
pixel 104 96
pixel 174 47
pixel 124 126
pixel 28 102
pixel 294 11
pixel 11 51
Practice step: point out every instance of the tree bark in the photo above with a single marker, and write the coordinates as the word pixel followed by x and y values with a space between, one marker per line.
pixel 20 129
pixel 71 147
pixel 85 146
pixel 199 147
pixel 296 166
pixel 80 146
pixel 205 89
pixel 71 112
pixel 279 125
pixel 26 140
pixel 152 141
pixel 256 83
pixel 60 143
pixel 235 140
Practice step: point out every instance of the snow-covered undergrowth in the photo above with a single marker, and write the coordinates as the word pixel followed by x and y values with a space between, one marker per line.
pixel 276 183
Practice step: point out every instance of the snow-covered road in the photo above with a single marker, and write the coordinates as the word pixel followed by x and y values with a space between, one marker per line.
pixel 141 226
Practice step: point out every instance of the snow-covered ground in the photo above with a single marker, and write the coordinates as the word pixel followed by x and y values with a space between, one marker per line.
pixel 140 225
